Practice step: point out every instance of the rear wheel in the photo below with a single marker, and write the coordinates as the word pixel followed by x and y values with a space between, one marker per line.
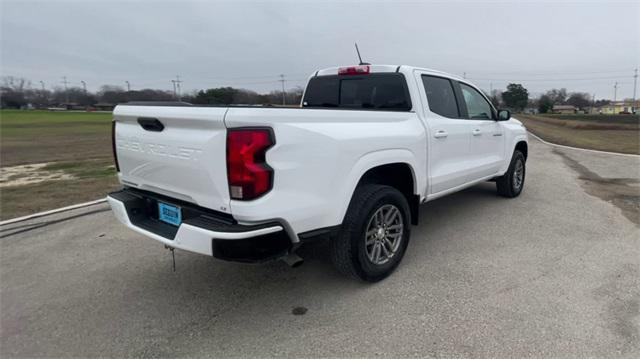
pixel 510 184
pixel 374 234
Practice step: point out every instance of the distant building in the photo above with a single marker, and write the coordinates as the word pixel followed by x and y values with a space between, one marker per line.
pixel 104 106
pixel 564 109
pixel 71 106
pixel 616 107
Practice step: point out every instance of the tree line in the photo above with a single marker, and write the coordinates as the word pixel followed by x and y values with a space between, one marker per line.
pixel 18 93
pixel 516 97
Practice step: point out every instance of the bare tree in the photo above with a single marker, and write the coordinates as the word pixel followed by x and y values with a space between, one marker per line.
pixel 496 98
pixel 558 97
pixel 13 92
pixel 579 99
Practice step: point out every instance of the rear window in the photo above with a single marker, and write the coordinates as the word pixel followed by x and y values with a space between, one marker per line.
pixel 386 92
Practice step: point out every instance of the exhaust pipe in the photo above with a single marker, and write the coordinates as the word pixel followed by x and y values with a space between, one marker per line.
pixel 293 260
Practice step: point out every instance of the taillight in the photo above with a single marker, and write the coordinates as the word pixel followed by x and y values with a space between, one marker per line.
pixel 248 174
pixel 113 145
pixel 354 70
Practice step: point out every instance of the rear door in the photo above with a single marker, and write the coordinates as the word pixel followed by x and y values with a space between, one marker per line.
pixel 179 152
pixel 448 151
pixel 486 138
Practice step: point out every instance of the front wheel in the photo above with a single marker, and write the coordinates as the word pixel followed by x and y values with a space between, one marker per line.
pixel 510 184
pixel 374 235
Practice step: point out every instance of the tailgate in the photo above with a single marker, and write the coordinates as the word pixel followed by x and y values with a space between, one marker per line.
pixel 183 158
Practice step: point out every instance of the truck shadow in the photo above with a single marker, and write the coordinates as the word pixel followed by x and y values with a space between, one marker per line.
pixel 441 212
pixel 211 279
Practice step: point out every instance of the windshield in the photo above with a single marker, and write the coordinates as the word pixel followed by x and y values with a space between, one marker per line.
pixel 385 91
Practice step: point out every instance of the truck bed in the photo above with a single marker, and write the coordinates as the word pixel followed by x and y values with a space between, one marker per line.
pixel 314 149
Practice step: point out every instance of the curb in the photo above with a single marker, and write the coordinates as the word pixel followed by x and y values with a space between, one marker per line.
pixel 582 149
pixel 53 211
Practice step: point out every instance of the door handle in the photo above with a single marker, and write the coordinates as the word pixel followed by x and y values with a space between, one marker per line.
pixel 440 134
pixel 477 132
pixel 151 124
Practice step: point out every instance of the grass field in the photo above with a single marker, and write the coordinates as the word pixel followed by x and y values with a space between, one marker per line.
pixel 616 119
pixel 72 147
pixel 72 152
pixel 615 133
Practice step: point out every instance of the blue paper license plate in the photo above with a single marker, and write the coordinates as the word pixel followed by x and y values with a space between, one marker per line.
pixel 169 214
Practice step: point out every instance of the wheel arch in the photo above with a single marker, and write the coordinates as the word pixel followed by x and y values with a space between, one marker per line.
pixel 395 168
pixel 523 147
pixel 518 142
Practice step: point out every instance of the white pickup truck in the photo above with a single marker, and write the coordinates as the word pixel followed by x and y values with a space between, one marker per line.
pixel 367 146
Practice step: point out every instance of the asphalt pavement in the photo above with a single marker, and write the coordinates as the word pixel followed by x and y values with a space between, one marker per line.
pixel 553 273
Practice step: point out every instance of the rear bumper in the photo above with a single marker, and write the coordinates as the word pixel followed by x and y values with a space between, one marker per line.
pixel 202 230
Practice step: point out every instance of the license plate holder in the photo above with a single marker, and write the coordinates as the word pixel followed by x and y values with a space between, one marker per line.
pixel 169 213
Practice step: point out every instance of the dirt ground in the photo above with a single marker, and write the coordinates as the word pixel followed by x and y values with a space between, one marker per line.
pixel 53 159
pixel 622 136
pixel 29 174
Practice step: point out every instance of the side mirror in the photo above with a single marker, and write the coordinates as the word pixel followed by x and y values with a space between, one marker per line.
pixel 504 115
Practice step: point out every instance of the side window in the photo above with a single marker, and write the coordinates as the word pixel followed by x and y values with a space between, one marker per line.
pixel 477 105
pixel 440 96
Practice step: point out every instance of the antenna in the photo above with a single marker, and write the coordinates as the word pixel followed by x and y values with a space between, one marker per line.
pixel 360 58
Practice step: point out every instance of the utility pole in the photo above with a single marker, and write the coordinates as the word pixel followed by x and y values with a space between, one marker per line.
pixel 128 86
pixel 464 75
pixel 593 103
pixel 84 86
pixel 284 95
pixel 635 82
pixel 174 89
pixel 615 91
pixel 66 93
pixel 43 96
pixel 177 82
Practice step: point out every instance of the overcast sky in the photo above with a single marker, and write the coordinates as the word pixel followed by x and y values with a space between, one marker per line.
pixel 583 46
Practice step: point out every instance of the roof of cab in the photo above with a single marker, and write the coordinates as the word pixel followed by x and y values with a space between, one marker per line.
pixel 385 68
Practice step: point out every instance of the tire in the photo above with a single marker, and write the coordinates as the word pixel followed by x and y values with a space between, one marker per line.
pixel 352 250
pixel 510 184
